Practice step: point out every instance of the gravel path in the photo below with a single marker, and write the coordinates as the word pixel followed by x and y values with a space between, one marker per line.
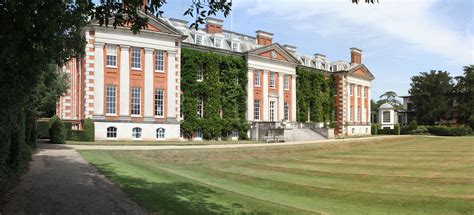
pixel 219 146
pixel 60 181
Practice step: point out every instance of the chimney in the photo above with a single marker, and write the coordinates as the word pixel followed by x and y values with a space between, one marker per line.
pixel 356 56
pixel 213 25
pixel 290 48
pixel 264 38
pixel 319 56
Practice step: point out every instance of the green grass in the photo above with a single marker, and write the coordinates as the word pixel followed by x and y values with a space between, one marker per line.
pixel 409 175
pixel 158 143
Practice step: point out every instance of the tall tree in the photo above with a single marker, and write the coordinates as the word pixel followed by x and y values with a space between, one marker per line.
pixel 391 98
pixel 432 96
pixel 464 94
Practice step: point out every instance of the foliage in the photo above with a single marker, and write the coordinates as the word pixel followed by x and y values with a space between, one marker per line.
pixel 42 128
pixel 387 131
pixel 449 131
pixel 57 132
pixel 412 125
pixel 471 121
pixel 223 88
pixel 77 135
pixel 391 98
pixel 89 129
pixel 397 129
pixel 314 95
pixel 464 95
pixel 374 129
pixel 420 130
pixel 432 96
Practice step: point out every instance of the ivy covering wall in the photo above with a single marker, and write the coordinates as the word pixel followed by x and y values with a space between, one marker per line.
pixel 223 91
pixel 314 95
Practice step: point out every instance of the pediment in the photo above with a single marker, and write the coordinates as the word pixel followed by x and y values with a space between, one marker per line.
pixel 276 52
pixel 361 71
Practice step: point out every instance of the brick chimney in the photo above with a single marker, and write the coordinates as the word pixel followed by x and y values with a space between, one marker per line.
pixel 213 25
pixel 264 38
pixel 356 56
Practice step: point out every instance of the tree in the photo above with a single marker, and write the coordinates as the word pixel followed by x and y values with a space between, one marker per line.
pixel 432 96
pixel 464 94
pixel 391 98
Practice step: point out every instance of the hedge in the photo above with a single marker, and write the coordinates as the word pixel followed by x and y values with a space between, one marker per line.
pixel 374 129
pixel 42 129
pixel 449 131
pixel 57 131
pixel 471 121
pixel 77 135
pixel 387 132
pixel 89 129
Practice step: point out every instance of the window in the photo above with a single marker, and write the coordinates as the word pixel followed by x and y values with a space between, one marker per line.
pixel 235 47
pixel 200 111
pixel 256 79
pixel 136 58
pixel 272 79
pixel 358 91
pixel 235 133
pixel 200 74
pixel 365 92
pixel 272 111
pixel 303 60
pixel 111 58
pixel 286 111
pixel 217 42
pixel 159 102
pixel 198 133
pixel 386 116
pixel 334 68
pixel 286 82
pixel 136 133
pixel 112 132
pixel 160 60
pixel 256 110
pixel 351 89
pixel 351 114
pixel 136 100
pixel 160 133
pixel 110 99
pixel 198 39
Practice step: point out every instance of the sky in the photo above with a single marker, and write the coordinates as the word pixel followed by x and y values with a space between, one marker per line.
pixel 399 38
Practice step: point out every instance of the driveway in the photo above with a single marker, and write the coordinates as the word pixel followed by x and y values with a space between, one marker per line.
pixel 60 181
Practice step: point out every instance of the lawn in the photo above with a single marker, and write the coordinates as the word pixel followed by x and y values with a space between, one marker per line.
pixel 407 175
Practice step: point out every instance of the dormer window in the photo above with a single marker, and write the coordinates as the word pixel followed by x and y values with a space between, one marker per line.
pixel 217 42
pixel 303 60
pixel 334 68
pixel 198 39
pixel 235 46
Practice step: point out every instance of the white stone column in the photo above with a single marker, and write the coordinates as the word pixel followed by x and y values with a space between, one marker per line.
pixel 171 103
pixel 369 108
pixel 148 87
pixel 362 106
pixel 293 98
pixel 99 81
pixel 280 97
pixel 348 99
pixel 124 82
pixel 264 116
pixel 356 103
pixel 250 99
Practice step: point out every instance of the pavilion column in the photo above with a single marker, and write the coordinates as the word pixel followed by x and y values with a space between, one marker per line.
pixel 293 98
pixel 99 81
pixel 124 82
pixel 171 103
pixel 250 99
pixel 280 97
pixel 264 116
pixel 148 86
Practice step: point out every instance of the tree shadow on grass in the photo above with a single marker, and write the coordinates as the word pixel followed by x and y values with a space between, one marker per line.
pixel 173 197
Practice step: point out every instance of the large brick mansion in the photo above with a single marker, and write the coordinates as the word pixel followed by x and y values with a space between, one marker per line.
pixel 130 85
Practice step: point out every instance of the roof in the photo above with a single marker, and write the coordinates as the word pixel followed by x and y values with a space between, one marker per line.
pixel 386 106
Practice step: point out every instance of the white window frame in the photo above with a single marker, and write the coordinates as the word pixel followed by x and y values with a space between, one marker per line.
pixel 199 42
pixel 200 111
pixel 272 80
pixel 112 130
pixel 256 78
pixel 384 115
pixel 136 55
pixel 286 111
pixel 235 134
pixel 256 110
pixel 351 114
pixel 286 82
pixel 358 91
pixel 198 134
pixel 365 92
pixel 217 42
pixel 351 89
pixel 111 100
pixel 160 133
pixel 136 102
pixel 159 61
pixel 271 111
pixel 137 133
pixel 159 103
pixel 111 56
pixel 235 46
pixel 200 73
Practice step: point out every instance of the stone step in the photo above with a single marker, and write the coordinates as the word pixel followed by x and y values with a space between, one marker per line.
pixel 302 134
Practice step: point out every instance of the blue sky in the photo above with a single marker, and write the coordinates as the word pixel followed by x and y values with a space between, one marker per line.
pixel 399 38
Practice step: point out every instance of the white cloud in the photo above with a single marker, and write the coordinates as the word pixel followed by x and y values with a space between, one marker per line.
pixel 416 23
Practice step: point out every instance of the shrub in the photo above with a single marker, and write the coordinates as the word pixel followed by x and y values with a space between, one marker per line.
pixel 374 128
pixel 396 129
pixel 77 135
pixel 89 129
pixel 68 125
pixel 471 121
pixel 413 125
pixel 449 131
pixel 404 130
pixel 58 132
pixel 51 122
pixel 387 131
pixel 42 129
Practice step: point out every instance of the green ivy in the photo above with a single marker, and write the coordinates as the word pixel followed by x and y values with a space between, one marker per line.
pixel 223 87
pixel 314 94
